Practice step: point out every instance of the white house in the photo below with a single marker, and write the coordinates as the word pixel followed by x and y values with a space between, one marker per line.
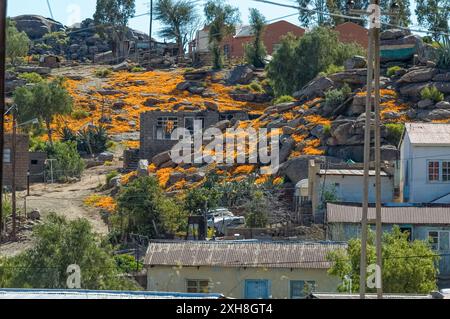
pixel 425 163
pixel 340 183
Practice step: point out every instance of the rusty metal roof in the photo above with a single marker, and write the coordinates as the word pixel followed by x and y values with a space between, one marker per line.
pixel 426 215
pixel 307 255
pixel 428 133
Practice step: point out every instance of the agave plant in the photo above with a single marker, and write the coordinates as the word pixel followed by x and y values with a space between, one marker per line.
pixel 444 53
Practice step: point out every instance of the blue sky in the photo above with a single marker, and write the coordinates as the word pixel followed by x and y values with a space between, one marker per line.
pixel 70 11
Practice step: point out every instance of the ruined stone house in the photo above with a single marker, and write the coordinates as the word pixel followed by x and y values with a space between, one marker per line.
pixel 157 127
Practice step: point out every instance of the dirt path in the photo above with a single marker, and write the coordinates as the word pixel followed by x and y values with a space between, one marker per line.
pixel 64 199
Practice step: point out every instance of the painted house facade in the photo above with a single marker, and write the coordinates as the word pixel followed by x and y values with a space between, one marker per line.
pixel 422 222
pixel 425 163
pixel 234 46
pixel 339 183
pixel 241 269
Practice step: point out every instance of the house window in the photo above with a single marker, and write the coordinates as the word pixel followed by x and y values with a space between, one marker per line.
pixel 165 126
pixel 407 230
pixel 34 162
pixel 445 171
pixel 197 286
pixel 7 155
pixel 440 240
pixel 189 123
pixel 300 288
pixel 439 171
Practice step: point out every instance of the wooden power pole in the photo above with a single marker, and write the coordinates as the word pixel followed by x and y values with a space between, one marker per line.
pixel 373 82
pixel 2 99
pixel 379 230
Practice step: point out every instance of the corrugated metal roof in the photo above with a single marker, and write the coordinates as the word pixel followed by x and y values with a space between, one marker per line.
pixel 241 254
pixel 440 215
pixel 428 133
pixel 348 172
pixel 91 294
pixel 244 31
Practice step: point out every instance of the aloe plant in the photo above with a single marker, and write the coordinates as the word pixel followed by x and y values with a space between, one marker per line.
pixel 444 53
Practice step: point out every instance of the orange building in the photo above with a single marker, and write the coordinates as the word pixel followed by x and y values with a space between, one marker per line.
pixel 234 45
pixel 352 32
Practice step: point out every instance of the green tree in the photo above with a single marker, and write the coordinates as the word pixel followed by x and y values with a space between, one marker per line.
pixel 17 43
pixel 60 243
pixel 408 267
pixel 256 211
pixel 144 209
pixel 434 15
pixel 179 18
pixel 318 17
pixel 44 101
pixel 256 52
pixel 200 201
pixel 68 162
pixel 293 65
pixel 115 14
pixel 400 16
pixel 222 19
pixel 340 7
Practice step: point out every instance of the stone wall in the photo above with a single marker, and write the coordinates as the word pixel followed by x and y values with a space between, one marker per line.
pixel 150 146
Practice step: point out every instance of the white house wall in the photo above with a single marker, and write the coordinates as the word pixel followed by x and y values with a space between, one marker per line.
pixel 422 191
pixel 351 188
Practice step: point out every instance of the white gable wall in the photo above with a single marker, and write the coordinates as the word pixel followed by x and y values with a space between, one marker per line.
pixel 351 188
pixel 421 190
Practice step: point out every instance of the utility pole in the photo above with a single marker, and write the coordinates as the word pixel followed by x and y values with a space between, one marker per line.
pixel 2 99
pixel 373 81
pixel 379 230
pixel 151 25
pixel 13 164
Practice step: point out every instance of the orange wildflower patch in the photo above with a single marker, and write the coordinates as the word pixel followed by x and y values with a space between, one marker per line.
pixel 317 119
pixel 104 202
pixel 163 176
pixel 126 178
pixel 243 169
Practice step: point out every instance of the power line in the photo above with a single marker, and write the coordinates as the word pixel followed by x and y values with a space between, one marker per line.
pixel 348 17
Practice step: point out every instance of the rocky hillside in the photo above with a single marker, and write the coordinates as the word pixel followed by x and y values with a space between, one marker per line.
pixel 80 42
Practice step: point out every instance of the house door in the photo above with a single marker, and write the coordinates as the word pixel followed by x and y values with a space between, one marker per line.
pixel 257 289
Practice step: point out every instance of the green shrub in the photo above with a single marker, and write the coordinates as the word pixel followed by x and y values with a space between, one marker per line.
pixel 327 130
pixel 103 73
pixel 335 97
pixel 299 60
pixel 256 87
pixel 393 70
pixel 332 69
pixel 432 93
pixel 32 77
pixel 137 69
pixel 395 132
pixel 80 114
pixel 127 264
pixel 283 99
pixel 110 176
pixel 68 162
pixel 91 140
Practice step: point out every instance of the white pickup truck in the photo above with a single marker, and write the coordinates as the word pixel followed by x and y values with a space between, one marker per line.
pixel 222 218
